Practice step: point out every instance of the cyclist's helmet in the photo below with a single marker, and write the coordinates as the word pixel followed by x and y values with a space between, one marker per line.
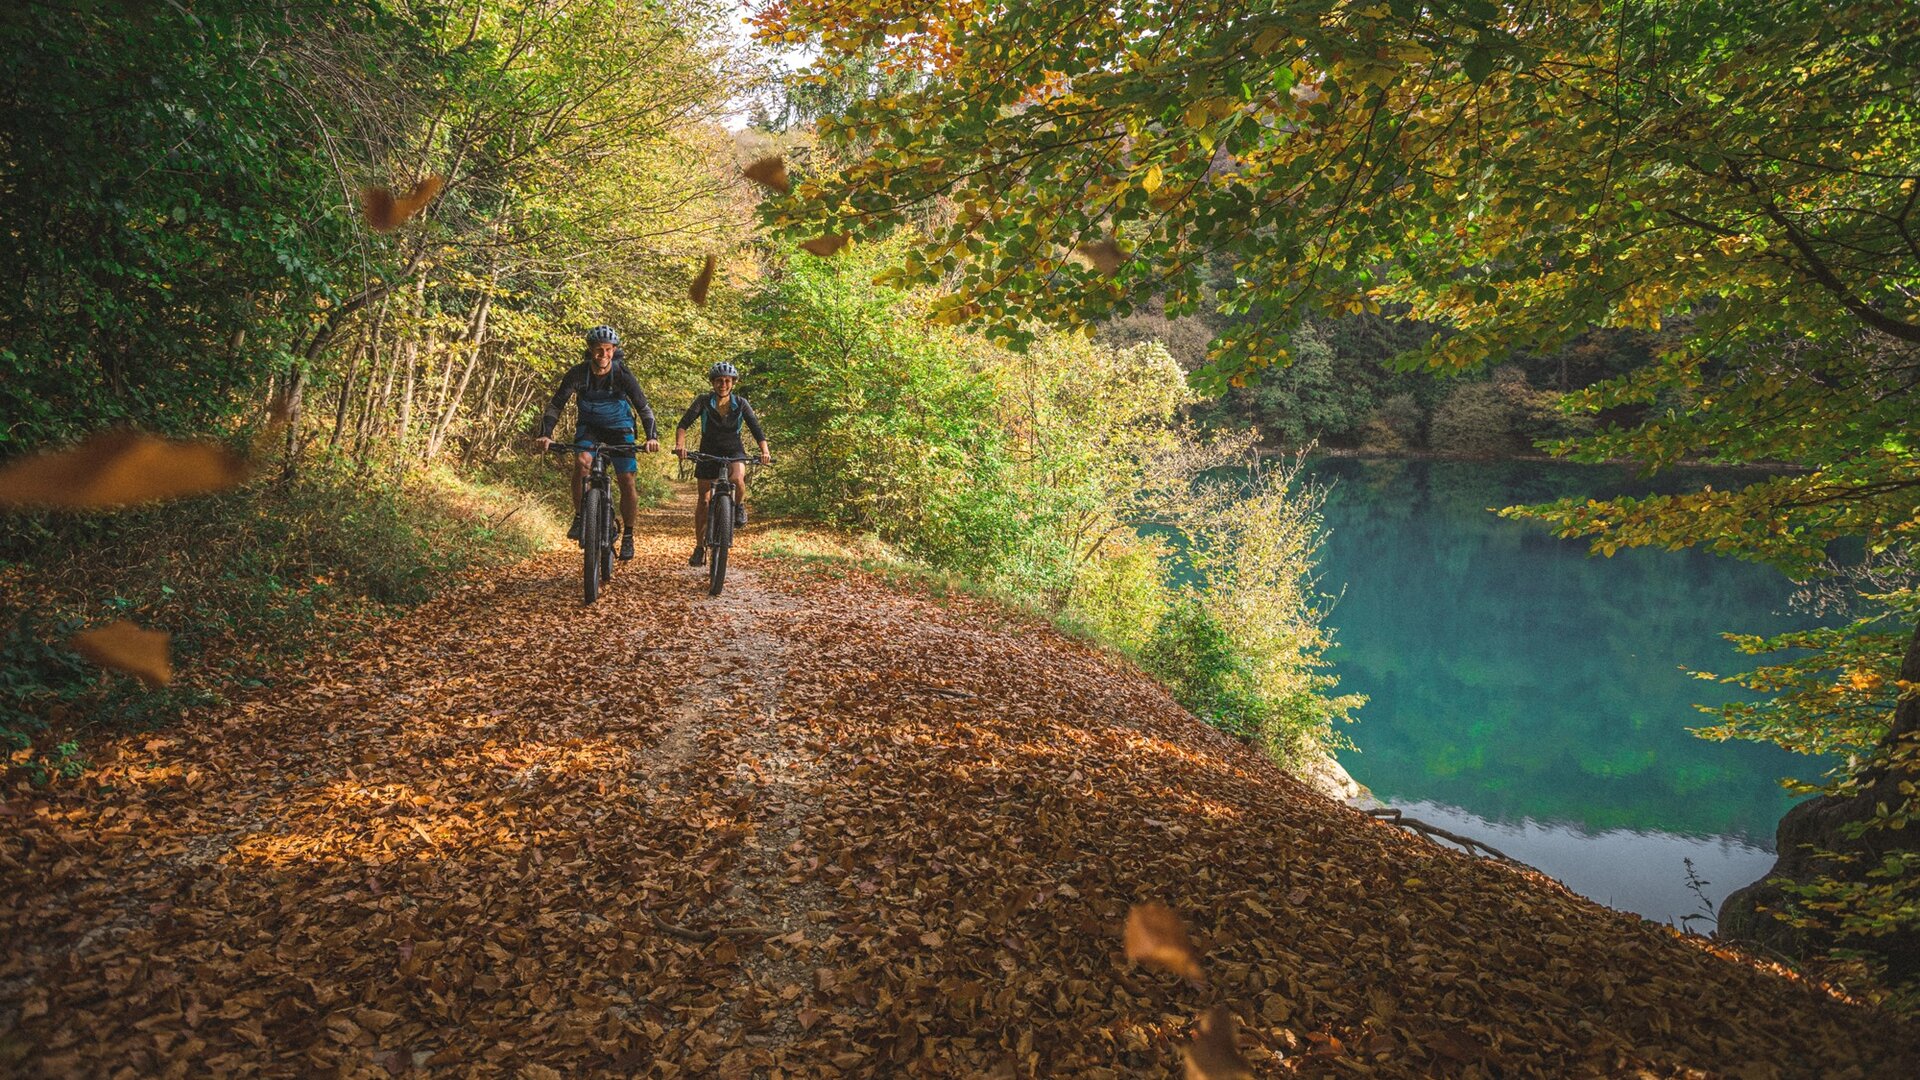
pixel 603 334
pixel 723 369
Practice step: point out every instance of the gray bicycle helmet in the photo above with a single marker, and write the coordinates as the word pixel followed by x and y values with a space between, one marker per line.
pixel 722 368
pixel 606 334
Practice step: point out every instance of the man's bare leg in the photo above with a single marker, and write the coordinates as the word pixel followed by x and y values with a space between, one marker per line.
pixel 582 465
pixel 629 500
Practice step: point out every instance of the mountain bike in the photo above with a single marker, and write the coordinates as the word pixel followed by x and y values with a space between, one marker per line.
pixel 599 528
pixel 719 518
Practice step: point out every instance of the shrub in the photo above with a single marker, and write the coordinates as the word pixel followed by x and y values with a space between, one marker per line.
pixel 1394 427
pixel 1476 420
pixel 1253 540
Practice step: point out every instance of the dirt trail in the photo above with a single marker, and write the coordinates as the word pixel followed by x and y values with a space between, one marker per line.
pixel 811 828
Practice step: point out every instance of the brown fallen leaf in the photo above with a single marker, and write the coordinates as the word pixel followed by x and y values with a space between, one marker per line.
pixel 1156 937
pixel 1213 1054
pixel 703 281
pixel 769 172
pixel 1453 1045
pixel 1102 255
pixel 122 646
pixel 118 468
pixel 386 212
pixel 824 246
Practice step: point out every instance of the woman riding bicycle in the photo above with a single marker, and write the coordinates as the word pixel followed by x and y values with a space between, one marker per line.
pixel 721 413
pixel 609 398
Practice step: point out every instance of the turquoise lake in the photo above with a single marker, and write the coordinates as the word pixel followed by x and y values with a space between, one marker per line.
pixel 1532 696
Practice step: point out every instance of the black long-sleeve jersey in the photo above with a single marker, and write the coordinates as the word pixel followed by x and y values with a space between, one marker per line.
pixel 580 378
pixel 720 435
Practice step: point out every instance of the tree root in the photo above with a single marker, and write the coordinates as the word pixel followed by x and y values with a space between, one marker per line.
pixel 1429 830
pixel 704 936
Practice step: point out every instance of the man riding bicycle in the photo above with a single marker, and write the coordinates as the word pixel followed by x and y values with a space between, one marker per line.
pixel 720 413
pixel 608 398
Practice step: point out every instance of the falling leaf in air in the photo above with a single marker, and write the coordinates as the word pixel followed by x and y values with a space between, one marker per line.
pixel 1213 1054
pixel 1102 255
pixel 117 468
pixel 703 281
pixel 123 646
pixel 1155 937
pixel 824 246
pixel 769 172
pixel 386 212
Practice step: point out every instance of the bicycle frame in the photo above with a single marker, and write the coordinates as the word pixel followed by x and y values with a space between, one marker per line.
pixel 722 484
pixel 597 478
pixel 720 502
pixel 598 528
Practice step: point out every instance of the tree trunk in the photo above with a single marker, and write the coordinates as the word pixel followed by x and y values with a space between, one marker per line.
pixel 376 408
pixel 289 408
pixel 476 337
pixel 378 357
pixel 433 351
pixel 346 394
pixel 370 347
pixel 409 357
pixel 409 360
pixel 469 452
pixel 1821 823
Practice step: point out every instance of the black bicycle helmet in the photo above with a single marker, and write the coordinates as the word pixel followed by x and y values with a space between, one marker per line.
pixel 722 368
pixel 600 334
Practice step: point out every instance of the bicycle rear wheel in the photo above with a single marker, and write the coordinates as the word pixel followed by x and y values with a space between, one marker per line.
pixel 719 539
pixel 590 545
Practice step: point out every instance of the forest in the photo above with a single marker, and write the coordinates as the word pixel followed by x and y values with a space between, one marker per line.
pixel 1048 308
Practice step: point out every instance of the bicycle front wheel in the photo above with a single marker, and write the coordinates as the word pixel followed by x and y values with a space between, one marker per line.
pixel 719 539
pixel 590 544
pixel 716 571
pixel 609 536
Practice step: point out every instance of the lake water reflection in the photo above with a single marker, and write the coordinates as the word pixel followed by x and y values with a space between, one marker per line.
pixel 1532 696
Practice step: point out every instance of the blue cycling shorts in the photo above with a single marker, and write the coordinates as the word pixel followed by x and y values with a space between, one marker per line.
pixel 622 462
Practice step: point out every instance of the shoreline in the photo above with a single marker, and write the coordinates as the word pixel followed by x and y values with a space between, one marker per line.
pixel 1361 454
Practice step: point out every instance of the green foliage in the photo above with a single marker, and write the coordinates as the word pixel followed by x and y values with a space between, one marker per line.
pixel 1499 417
pixel 1345 387
pixel 1190 652
pixel 1740 176
pixel 165 248
pixel 1030 473
pixel 183 191
pixel 1394 427
pixel 1517 174
pixel 889 427
pixel 1316 395
pixel 1833 691
pixel 1252 540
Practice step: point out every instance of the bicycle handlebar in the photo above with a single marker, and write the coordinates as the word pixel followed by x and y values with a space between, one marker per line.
pixel 695 455
pixel 593 448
